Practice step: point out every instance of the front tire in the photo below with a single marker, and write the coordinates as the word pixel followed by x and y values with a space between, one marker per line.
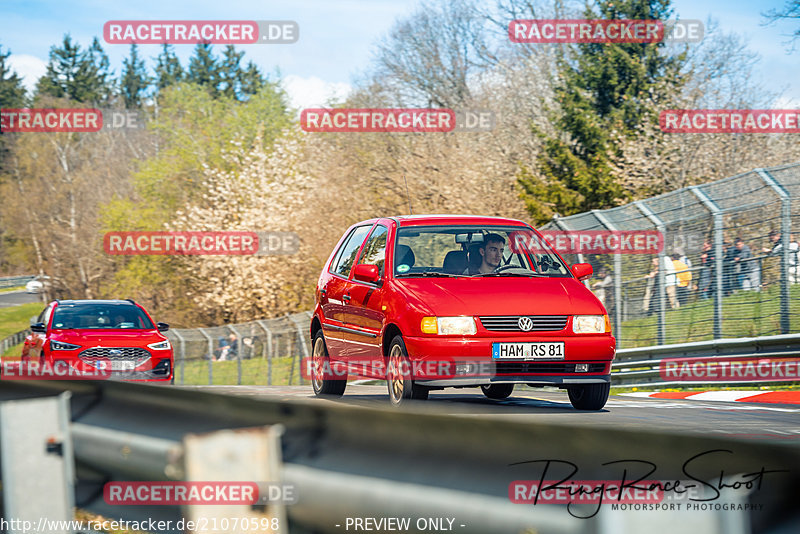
pixel 589 396
pixel 497 391
pixel 398 375
pixel 320 366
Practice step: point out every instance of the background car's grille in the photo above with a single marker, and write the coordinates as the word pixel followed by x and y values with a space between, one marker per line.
pixel 516 368
pixel 134 354
pixel 508 323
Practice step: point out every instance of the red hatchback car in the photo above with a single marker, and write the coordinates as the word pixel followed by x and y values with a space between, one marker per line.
pixel 433 301
pixel 114 336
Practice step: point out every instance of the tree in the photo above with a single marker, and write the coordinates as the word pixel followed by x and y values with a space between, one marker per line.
pixel 12 95
pixel 790 11
pixel 605 92
pixel 81 76
pixel 204 70
pixel 134 81
pixel 428 58
pixel 168 68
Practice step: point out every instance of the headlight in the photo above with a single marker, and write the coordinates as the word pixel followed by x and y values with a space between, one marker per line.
pixel 161 345
pixel 591 324
pixel 449 326
pixel 60 345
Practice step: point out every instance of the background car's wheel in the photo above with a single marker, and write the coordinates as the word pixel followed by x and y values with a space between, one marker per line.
pixel 398 375
pixel 589 396
pixel 320 366
pixel 497 391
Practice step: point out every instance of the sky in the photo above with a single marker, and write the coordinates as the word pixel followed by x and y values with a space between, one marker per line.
pixel 337 38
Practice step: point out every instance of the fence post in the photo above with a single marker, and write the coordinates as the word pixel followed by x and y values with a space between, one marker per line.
pixel 240 350
pixel 267 349
pixel 210 356
pixel 617 279
pixel 302 339
pixel 183 353
pixel 719 252
pixel 662 279
pixel 786 229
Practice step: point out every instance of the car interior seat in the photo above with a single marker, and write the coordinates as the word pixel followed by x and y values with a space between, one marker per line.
pixel 474 255
pixel 455 262
pixel 404 256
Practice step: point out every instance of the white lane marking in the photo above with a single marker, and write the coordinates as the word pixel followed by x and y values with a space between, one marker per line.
pixel 724 395
pixel 670 403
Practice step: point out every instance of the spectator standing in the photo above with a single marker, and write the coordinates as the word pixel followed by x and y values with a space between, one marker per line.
pixel 794 254
pixel 743 257
pixel 708 266
pixel 601 287
pixel 730 268
pixel 683 277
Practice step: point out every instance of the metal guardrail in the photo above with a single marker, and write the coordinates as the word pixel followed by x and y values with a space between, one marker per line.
pixel 642 366
pixel 13 281
pixel 13 340
pixel 348 461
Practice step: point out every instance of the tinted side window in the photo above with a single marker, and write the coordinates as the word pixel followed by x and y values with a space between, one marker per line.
pixel 374 252
pixel 347 253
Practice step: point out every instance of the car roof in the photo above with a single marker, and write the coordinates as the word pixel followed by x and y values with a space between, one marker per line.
pixel 443 219
pixel 97 301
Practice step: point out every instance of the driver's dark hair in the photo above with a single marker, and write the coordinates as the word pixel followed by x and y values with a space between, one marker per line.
pixel 488 238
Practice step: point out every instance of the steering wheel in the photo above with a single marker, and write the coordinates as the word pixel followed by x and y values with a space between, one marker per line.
pixel 505 268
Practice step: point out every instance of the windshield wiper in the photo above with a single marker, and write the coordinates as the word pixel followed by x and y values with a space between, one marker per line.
pixel 530 275
pixel 432 274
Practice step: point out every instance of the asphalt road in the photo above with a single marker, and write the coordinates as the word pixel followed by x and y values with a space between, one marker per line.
pixel 15 298
pixel 765 423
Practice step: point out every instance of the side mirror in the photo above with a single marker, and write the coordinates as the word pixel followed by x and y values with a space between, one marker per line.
pixel 162 327
pixel 39 327
pixel 367 273
pixel 582 271
pixel 34 320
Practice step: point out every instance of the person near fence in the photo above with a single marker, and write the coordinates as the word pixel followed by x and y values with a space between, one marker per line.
pixel 684 279
pixel 776 249
pixel 222 349
pixel 601 287
pixel 743 258
pixel 650 304
pixel 708 264
pixel 730 269
pixel 233 347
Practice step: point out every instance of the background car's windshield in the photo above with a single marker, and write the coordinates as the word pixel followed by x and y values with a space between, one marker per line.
pixel 462 251
pixel 101 316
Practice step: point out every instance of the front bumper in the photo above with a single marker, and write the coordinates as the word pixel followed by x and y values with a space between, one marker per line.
pixel 466 361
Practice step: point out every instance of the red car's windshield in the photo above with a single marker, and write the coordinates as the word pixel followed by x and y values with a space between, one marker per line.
pixel 100 315
pixel 473 250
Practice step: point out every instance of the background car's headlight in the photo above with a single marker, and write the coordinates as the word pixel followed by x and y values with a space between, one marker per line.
pixel 60 345
pixel 449 326
pixel 590 324
pixel 161 345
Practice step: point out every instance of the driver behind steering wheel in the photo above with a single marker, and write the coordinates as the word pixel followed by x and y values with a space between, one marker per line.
pixel 491 253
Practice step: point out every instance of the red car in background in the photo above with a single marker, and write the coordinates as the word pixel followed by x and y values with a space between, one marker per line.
pixel 433 301
pixel 114 336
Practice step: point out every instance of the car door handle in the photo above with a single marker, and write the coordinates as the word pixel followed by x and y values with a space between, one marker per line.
pixel 346 298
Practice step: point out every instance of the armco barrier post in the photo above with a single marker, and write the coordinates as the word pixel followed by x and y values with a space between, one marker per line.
pixel 210 356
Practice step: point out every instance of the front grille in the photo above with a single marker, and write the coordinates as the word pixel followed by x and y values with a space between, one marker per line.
pixel 509 323
pixel 133 354
pixel 518 368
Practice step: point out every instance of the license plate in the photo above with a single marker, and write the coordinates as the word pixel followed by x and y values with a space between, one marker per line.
pixel 122 365
pixel 528 351
pixel 116 365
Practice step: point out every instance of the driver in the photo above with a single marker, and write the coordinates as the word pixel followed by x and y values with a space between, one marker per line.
pixel 491 252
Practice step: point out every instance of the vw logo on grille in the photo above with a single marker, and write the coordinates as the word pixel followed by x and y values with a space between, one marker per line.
pixel 525 324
